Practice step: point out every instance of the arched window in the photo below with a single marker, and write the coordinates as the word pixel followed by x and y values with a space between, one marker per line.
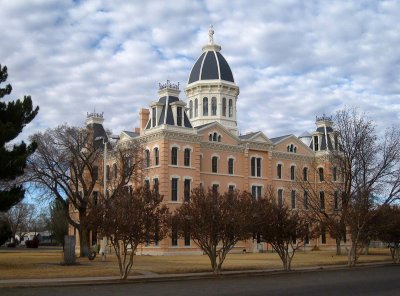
pixel 291 147
pixel 215 137
pixel 279 171
pixel 288 148
pixel 214 164
pixel 191 109
pixel 210 136
pixel 321 174
pixel 305 174
pixel 174 156
pixel 223 106
pixel 147 158
pixel 196 108
pixel 205 106
pixel 230 108
pixel 214 106
pixel 186 157
pixel 156 156
pixel 292 172
pixel 219 138
pixel 295 150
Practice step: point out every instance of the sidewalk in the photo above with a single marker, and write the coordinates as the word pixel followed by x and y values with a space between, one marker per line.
pixel 152 277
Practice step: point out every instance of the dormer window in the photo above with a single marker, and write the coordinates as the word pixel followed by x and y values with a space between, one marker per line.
pixel 223 106
pixel 316 147
pixel 179 116
pixel 153 117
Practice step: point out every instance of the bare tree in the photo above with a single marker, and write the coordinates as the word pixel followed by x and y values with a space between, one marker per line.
pixel 370 166
pixel 320 196
pixel 215 222
pixel 66 166
pixel 20 218
pixel 131 218
pixel 286 230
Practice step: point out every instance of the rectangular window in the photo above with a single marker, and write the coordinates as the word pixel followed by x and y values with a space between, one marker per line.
pixel 256 166
pixel 156 184
pixel 147 182
pixel 293 195
pixel 334 174
pixel 95 197
pixel 187 190
pixel 280 197
pixel 279 171
pixel 95 173
pixel 292 172
pixel 322 200
pixel 305 200
pixel 256 191
pixel 174 189
pixel 336 200
pixel 187 240
pixel 215 188
pixel 108 173
pixel 179 116
pixel 174 156
pixel 214 164
pixel 186 158
pixel 231 188
pixel 230 166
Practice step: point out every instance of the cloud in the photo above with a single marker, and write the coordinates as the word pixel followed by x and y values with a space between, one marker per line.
pixel 293 60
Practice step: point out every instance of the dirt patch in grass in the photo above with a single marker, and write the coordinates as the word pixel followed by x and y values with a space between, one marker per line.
pixel 23 264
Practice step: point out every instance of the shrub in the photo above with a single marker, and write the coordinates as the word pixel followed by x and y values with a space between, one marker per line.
pixel 34 243
pixel 11 245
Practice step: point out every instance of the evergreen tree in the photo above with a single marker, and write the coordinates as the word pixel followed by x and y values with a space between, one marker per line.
pixel 14 115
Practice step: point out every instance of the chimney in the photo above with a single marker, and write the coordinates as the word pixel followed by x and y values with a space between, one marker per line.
pixel 137 130
pixel 143 118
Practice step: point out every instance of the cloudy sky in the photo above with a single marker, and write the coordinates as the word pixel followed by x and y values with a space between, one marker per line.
pixel 292 60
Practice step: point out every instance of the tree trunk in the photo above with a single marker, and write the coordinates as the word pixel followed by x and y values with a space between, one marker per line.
pixel 352 257
pixel 338 247
pixel 83 241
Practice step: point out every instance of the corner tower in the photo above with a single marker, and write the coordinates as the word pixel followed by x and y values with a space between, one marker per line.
pixel 211 92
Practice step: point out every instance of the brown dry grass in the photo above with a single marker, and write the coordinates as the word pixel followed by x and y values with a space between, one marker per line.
pixel 41 263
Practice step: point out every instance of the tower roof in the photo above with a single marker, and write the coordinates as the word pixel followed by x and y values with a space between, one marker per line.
pixel 211 64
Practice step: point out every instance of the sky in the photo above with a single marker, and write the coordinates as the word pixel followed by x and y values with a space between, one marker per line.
pixel 293 60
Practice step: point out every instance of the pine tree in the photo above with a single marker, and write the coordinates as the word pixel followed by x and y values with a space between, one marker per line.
pixel 14 115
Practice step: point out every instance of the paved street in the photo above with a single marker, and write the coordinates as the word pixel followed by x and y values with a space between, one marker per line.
pixel 384 280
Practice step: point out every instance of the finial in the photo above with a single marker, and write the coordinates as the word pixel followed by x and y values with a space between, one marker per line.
pixel 210 35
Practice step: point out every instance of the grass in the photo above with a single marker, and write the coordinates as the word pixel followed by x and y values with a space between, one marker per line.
pixel 44 263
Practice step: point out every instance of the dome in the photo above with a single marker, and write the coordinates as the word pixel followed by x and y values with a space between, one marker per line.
pixel 211 65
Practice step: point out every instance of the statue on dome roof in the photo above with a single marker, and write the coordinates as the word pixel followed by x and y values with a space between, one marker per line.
pixel 210 35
